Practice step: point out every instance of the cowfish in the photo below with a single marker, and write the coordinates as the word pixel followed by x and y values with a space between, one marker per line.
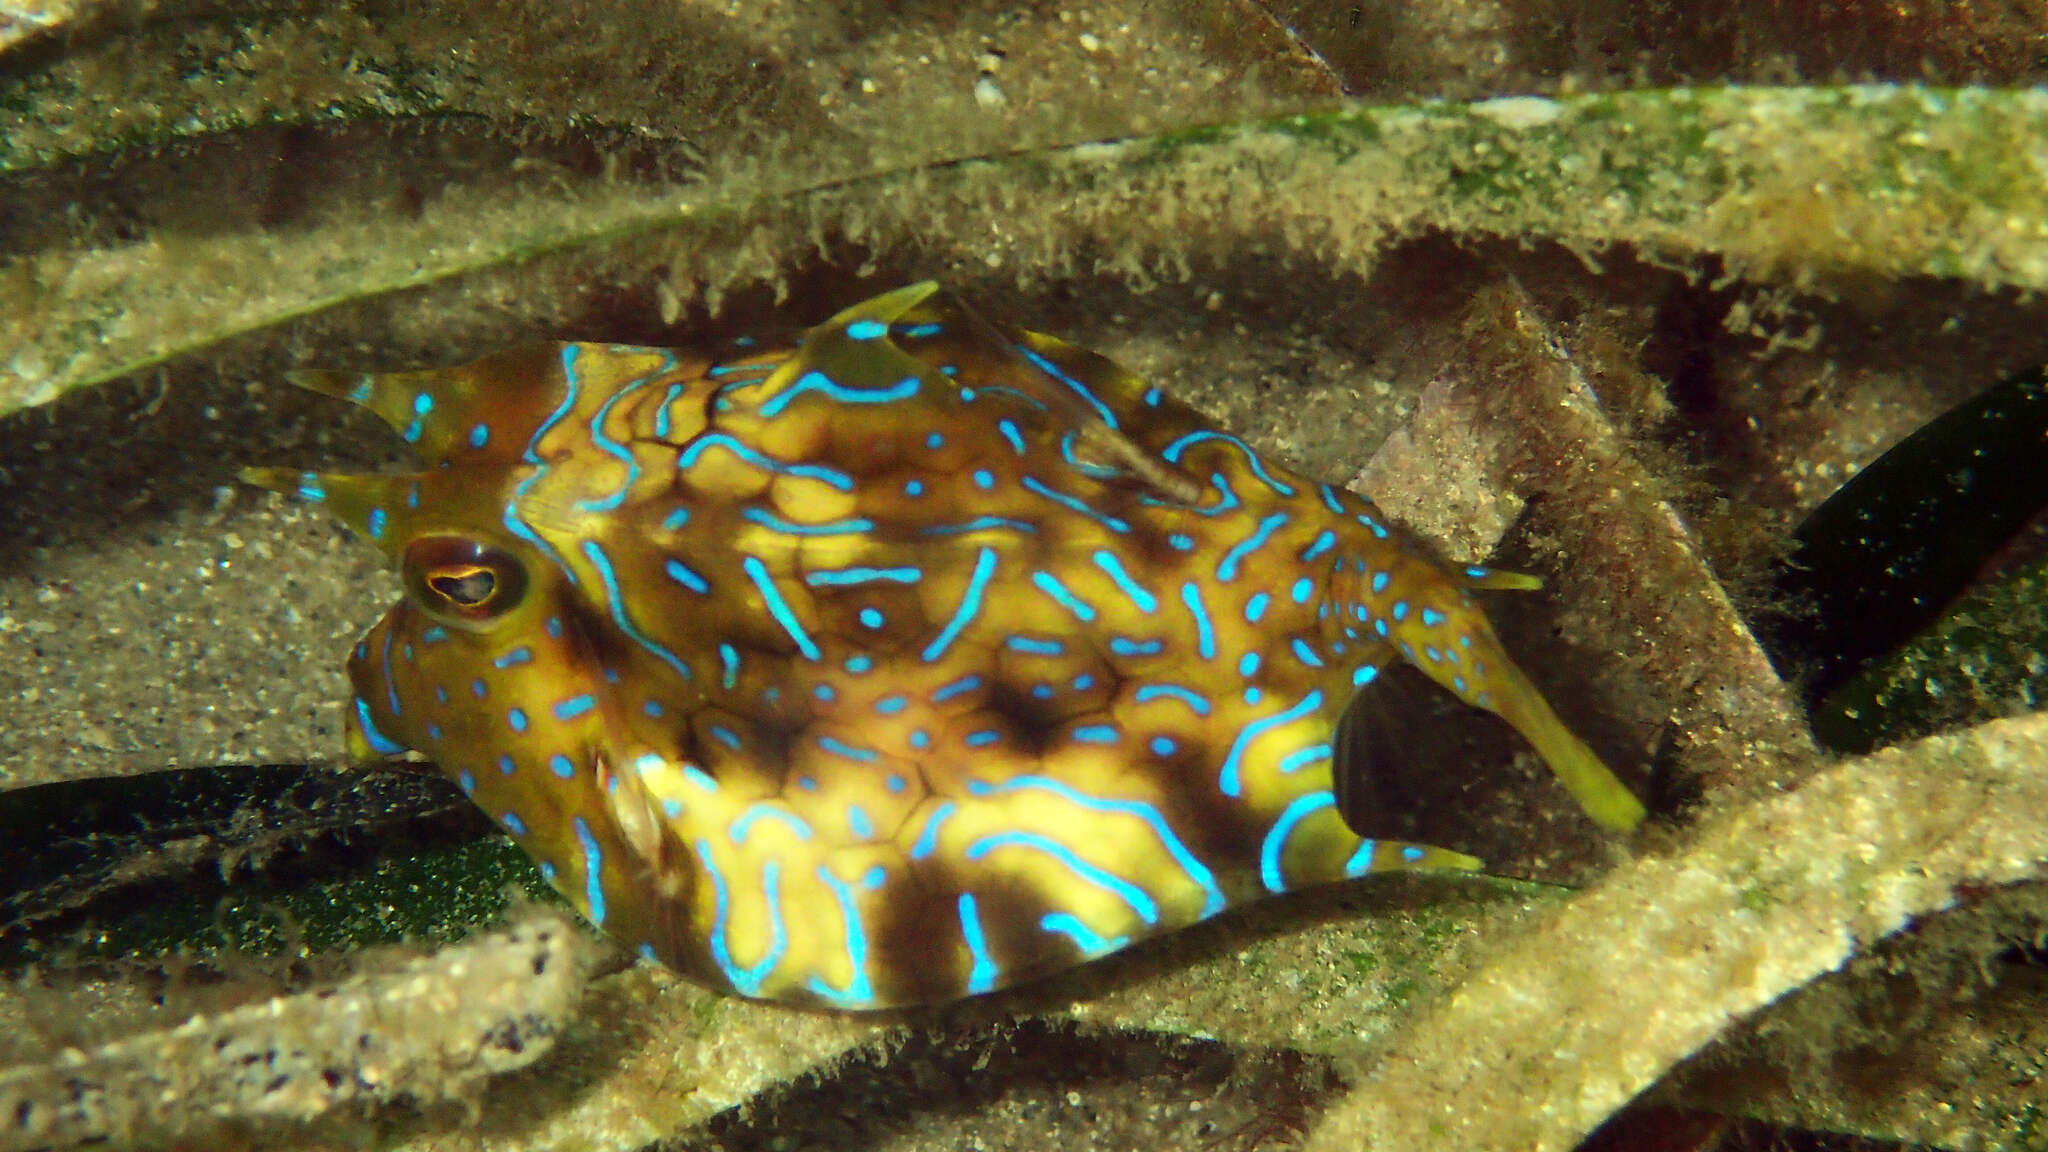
pixel 916 659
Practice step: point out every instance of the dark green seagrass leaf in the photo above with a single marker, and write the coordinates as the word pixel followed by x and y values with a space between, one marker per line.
pixel 1882 559
pixel 1986 656
pixel 248 859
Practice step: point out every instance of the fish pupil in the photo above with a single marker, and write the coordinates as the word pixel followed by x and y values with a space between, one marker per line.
pixel 467 589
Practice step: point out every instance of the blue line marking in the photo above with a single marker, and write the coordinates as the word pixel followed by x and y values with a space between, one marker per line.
pixel 1163 745
pixel 1302 590
pixel 688 577
pixel 750 455
pixel 1226 570
pixel 697 776
pixel 612 447
pixel 603 563
pixel 729 659
pixel 1380 580
pixel 767 810
pixel 1205 633
pixel 593 872
pixel 1304 653
pixel 1363 675
pixel 892 704
pixel 978 524
pixel 981 976
pixel 1051 586
pixel 1248 665
pixel 851 751
pixel 918 331
pixel 1094 471
pixel 839 577
pixel 1097 734
pixel 1113 567
pixel 513 823
pixel 1091 943
pixel 777 606
pixel 992 389
pixel 815 381
pixel 516 717
pixel 1303 757
pixel 746 981
pixel 970 606
pixel 725 736
pixel 376 523
pixel 574 706
pixel 1224 504
pixel 516 524
pixel 858 823
pixel 1329 496
pixel 1034 646
pixel 928 840
pixel 983 738
pixel 1233 763
pixel 767 519
pixel 1053 370
pixel 390 684
pixel 1431 617
pixel 1125 646
pixel 561 766
pixel 379 743
pixel 1276 837
pixel 1140 902
pixel 1255 608
pixel 858 991
pixel 1188 696
pixel 1322 543
pixel 1034 484
pixel 866 329
pixel 661 416
pixel 1009 430
pixel 945 692
pixel 519 655
pixel 1172 453
pixel 1361 860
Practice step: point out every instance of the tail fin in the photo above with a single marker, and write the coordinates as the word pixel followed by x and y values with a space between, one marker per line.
pixel 1448 638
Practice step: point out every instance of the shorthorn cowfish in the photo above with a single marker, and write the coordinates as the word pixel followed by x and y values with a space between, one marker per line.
pixel 908 661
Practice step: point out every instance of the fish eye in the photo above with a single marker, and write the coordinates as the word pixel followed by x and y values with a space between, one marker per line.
pixel 465 582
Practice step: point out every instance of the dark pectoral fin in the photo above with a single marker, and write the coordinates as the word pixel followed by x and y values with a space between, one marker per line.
pixel 1378 739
